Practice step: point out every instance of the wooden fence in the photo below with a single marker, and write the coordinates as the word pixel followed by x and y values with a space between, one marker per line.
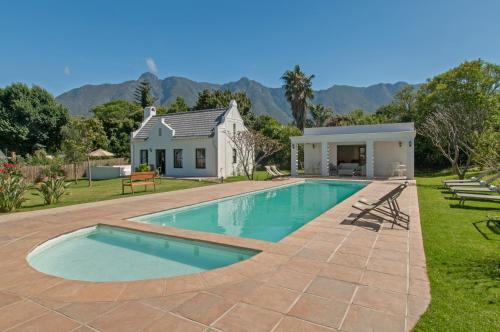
pixel 32 173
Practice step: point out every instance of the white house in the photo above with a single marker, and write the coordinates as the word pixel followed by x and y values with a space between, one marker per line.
pixel 188 144
pixel 381 150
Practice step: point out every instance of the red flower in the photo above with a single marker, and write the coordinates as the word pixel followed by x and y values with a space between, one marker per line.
pixel 9 165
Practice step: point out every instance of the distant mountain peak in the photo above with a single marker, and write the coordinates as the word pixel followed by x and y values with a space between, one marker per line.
pixel 265 100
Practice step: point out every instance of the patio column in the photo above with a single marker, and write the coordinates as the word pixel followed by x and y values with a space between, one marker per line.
pixel 324 159
pixel 369 159
pixel 410 159
pixel 294 160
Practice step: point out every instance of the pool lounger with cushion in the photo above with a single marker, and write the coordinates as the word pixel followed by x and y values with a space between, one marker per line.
pixel 463 197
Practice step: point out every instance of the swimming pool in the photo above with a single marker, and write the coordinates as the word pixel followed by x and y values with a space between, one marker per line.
pixel 105 253
pixel 268 215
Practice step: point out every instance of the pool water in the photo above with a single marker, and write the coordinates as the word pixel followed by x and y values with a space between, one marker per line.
pixel 268 215
pixel 106 253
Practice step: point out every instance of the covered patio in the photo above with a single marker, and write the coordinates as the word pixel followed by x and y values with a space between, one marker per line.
pixel 371 151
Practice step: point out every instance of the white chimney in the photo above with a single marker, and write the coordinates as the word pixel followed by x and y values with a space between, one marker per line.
pixel 233 104
pixel 149 112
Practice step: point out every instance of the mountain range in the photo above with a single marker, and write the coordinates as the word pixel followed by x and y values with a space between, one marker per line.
pixel 265 100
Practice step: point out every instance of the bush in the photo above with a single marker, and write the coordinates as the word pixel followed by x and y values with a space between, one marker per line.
pixel 52 189
pixel 12 189
pixel 143 168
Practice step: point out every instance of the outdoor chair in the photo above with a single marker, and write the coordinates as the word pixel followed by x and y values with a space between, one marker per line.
pixel 277 171
pixel 487 182
pixel 481 197
pixel 270 173
pixel 471 179
pixel 470 190
pixel 387 205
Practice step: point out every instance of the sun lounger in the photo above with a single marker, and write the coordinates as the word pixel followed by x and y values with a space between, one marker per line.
pixel 387 205
pixel 481 197
pixel 471 179
pixel 460 189
pixel 486 182
pixel 270 173
pixel 277 171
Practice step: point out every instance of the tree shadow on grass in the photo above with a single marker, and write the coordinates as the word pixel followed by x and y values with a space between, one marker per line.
pixel 491 225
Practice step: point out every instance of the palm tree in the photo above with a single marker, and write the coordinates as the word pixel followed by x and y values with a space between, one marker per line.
pixel 298 90
pixel 320 114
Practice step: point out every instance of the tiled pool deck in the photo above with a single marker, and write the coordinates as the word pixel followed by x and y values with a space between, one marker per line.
pixel 329 275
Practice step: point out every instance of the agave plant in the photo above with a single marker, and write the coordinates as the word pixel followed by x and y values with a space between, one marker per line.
pixel 12 189
pixel 52 189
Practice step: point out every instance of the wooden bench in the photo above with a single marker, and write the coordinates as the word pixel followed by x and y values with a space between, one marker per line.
pixel 139 179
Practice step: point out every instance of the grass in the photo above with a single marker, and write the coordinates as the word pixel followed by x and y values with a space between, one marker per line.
pixel 463 260
pixel 104 190
pixel 109 189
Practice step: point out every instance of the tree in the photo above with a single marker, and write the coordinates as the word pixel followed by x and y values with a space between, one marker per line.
pixel 30 119
pixel 252 148
pixel 82 136
pixel 208 99
pixel 457 107
pixel 298 91
pixel 402 108
pixel 143 94
pixel 119 118
pixel 320 115
pixel 179 105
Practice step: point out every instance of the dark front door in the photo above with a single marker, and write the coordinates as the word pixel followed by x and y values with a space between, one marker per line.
pixel 161 161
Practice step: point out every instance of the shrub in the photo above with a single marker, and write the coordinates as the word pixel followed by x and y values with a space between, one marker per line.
pixel 143 168
pixel 12 189
pixel 52 189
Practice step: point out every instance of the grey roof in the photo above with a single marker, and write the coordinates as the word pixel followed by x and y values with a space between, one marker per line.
pixel 187 124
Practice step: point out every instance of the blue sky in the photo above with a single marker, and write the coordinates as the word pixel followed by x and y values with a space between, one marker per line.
pixel 64 44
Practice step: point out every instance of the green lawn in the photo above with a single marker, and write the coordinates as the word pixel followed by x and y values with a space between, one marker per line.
pixel 104 190
pixel 109 189
pixel 463 261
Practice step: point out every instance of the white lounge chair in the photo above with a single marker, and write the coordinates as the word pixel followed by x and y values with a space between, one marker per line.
pixel 471 179
pixel 460 189
pixel 481 197
pixel 271 173
pixel 486 182
pixel 277 171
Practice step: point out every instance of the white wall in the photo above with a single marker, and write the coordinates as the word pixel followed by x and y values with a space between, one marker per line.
pixel 188 146
pixel 225 154
pixel 312 158
pixel 387 153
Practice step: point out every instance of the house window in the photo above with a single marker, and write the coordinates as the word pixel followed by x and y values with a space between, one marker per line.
pixel 234 129
pixel 144 156
pixel 177 158
pixel 200 158
pixel 234 156
pixel 159 131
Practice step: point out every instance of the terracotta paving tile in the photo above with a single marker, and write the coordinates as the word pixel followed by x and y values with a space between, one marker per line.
pixel 63 291
pixel 419 288
pixel 142 289
pixel 284 249
pixel 296 241
pixel 349 260
pixel 19 312
pixel 390 255
pixel 100 292
pixel 245 317
pixel 340 272
pixel 204 308
pixel 359 242
pixel 236 291
pixel 385 281
pixel 355 250
pixel 7 298
pixel 188 283
pixel 221 276
pixel 361 319
pixel 393 246
pixel 293 324
pixel 320 255
pixel 48 322
pixel 386 266
pixel 327 312
pixel 331 288
pixel 86 312
pixel 419 273
pixel 131 316
pixel 84 328
pixel 172 323
pixel 304 265
pixel 169 302
pixel 270 258
pixel 417 305
pixel 291 279
pixel 272 297
pixel 379 299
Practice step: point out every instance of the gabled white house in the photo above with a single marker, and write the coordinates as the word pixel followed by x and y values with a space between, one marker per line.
pixel 188 144
pixel 381 150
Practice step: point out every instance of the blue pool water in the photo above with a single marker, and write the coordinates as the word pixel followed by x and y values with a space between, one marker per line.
pixel 105 253
pixel 266 215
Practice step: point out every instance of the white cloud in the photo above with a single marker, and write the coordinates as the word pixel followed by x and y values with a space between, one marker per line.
pixel 150 62
pixel 67 71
